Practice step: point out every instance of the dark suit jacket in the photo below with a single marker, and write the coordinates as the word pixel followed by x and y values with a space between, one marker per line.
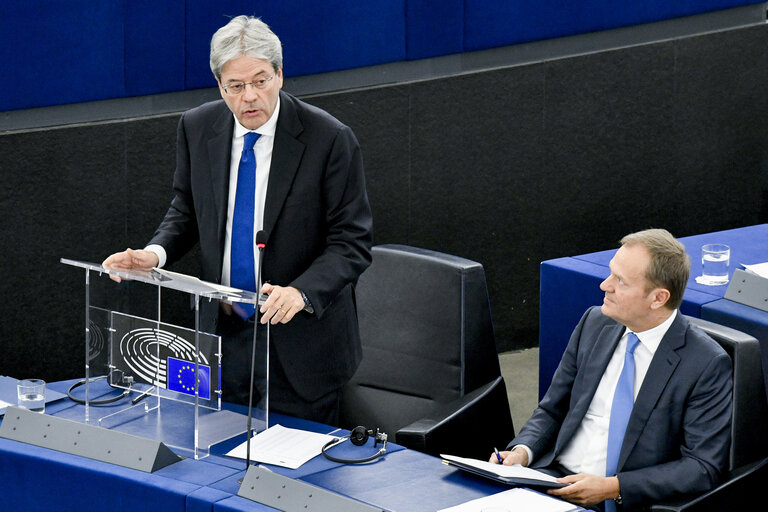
pixel 317 219
pixel 678 436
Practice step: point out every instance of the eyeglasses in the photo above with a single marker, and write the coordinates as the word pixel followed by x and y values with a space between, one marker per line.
pixel 236 88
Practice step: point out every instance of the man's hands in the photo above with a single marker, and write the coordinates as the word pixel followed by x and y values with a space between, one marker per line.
pixel 281 306
pixel 586 490
pixel 130 260
pixel 517 456
pixel 582 489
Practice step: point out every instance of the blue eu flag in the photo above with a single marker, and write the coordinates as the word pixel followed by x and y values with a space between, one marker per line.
pixel 181 377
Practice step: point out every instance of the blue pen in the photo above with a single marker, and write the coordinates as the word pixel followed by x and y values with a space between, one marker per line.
pixel 498 455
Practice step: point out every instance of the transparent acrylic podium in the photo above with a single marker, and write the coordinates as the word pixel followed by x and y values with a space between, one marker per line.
pixel 164 380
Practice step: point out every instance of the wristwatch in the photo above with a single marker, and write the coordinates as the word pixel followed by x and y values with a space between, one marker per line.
pixel 307 305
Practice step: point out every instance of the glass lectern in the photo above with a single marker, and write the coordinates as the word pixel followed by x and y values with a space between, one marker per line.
pixel 158 380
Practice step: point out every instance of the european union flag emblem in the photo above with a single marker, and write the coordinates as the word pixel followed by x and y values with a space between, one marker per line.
pixel 181 377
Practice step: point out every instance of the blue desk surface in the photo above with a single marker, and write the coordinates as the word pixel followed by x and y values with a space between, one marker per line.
pixel 34 478
pixel 570 285
pixel 749 245
pixel 407 474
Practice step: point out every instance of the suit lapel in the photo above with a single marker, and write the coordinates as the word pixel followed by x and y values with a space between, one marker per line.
pixel 663 365
pixel 588 379
pixel 286 157
pixel 219 150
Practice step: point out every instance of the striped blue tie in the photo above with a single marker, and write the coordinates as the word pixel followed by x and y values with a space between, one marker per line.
pixel 623 401
pixel 242 273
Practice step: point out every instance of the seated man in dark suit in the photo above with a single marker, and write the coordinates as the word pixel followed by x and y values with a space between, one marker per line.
pixel 639 408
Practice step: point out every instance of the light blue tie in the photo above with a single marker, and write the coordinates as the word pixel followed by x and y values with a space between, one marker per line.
pixel 623 401
pixel 242 274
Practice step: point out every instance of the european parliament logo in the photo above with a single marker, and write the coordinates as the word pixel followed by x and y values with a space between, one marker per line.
pixel 181 377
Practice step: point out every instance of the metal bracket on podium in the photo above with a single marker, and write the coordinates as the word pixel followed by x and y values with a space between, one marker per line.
pixel 289 495
pixel 85 440
pixel 749 289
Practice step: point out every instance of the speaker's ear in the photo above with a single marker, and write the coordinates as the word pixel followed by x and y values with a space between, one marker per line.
pixel 359 436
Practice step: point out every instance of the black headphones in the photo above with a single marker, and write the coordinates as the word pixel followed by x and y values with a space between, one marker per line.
pixel 104 401
pixel 359 436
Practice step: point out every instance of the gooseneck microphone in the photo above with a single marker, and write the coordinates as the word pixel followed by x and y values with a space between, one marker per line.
pixel 261 243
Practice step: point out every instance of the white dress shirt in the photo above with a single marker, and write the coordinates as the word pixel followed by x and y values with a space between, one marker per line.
pixel 263 152
pixel 586 452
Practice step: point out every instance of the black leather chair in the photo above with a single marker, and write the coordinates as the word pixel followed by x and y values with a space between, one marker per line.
pixel 741 487
pixel 430 373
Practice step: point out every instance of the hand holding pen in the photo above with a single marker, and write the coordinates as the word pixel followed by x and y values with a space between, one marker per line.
pixel 516 456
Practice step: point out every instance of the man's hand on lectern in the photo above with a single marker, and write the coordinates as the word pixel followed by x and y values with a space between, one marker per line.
pixel 130 259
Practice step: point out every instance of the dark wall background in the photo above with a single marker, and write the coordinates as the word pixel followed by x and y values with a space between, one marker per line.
pixel 124 48
pixel 508 167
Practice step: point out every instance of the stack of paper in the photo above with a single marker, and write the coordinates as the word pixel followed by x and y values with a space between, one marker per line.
pixel 760 269
pixel 515 500
pixel 281 446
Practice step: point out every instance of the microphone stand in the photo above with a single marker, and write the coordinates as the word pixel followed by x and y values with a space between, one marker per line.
pixel 260 243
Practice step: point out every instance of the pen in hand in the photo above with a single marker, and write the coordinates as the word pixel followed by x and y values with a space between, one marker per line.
pixel 498 455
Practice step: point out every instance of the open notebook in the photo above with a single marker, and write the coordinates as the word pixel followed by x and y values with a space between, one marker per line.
pixel 512 475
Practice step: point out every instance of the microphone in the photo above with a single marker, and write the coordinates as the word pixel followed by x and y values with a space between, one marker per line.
pixel 261 243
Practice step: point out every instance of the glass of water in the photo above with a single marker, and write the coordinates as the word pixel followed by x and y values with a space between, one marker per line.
pixel 715 259
pixel 31 394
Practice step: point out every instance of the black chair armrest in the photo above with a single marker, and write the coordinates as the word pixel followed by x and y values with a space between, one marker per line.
pixel 740 489
pixel 470 426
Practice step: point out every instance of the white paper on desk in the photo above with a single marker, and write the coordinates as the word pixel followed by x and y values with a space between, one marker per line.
pixel 518 500
pixel 760 269
pixel 514 471
pixel 282 446
pixel 3 405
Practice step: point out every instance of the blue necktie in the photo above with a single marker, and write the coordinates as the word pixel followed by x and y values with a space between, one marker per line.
pixel 623 401
pixel 242 274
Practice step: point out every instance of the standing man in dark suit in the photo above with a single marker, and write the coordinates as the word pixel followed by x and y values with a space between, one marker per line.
pixel 675 438
pixel 308 196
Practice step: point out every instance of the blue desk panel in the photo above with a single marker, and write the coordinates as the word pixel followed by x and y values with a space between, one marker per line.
pixel 567 288
pixel 37 479
pixel 205 499
pixel 571 285
pixel 77 483
pixel 238 504
pixel 748 245
pixel 406 481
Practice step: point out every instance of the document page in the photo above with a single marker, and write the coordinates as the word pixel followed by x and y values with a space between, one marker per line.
pixel 282 446
pixel 760 269
pixel 515 500
pixel 512 472
pixel 7 392
pixel 3 405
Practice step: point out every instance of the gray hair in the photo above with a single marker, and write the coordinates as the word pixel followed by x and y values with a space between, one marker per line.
pixel 669 266
pixel 245 35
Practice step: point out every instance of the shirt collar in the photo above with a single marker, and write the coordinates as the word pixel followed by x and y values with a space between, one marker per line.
pixel 651 338
pixel 267 128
